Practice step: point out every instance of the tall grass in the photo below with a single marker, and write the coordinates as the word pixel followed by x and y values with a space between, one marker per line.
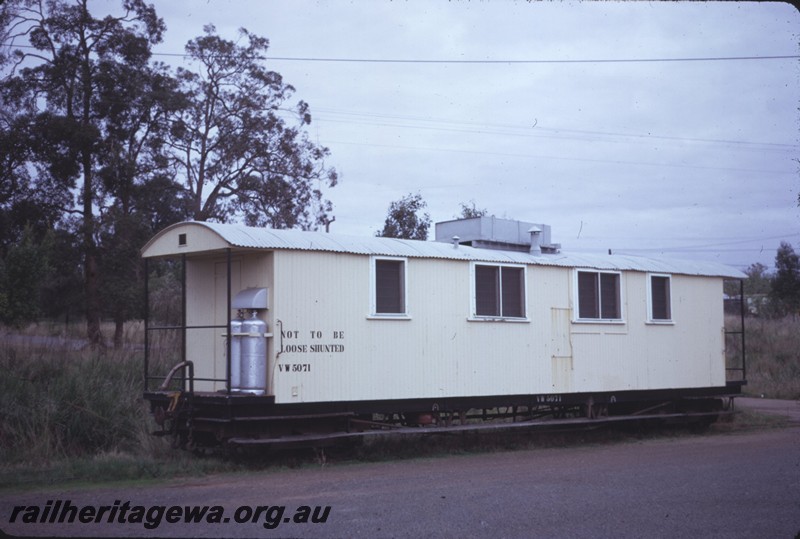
pixel 68 414
pixel 773 356
pixel 58 403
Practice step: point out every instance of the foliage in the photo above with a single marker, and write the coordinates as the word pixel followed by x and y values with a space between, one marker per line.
pixel 23 205
pixel 62 290
pixel 405 221
pixel 758 279
pixel 469 211
pixel 134 101
pixel 61 98
pixel 103 147
pixel 757 286
pixel 771 294
pixel 237 153
pixel 25 266
pixel 122 283
pixel 165 293
pixel 786 283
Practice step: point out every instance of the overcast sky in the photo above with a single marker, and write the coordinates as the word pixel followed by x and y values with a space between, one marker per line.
pixel 675 157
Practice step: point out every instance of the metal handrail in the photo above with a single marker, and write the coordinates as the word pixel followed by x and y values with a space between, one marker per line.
pixel 176 368
pixel 220 326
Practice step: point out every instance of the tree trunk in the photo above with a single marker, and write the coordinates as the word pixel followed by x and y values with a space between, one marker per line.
pixel 90 271
pixel 93 332
pixel 119 330
pixel 91 277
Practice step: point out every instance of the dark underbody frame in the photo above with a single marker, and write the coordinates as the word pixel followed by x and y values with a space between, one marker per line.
pixel 196 420
pixel 226 419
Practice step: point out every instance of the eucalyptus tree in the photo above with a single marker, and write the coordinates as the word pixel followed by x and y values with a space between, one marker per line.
pixel 407 219
pixel 22 269
pixel 241 147
pixel 134 99
pixel 24 209
pixel 471 210
pixel 785 290
pixel 58 56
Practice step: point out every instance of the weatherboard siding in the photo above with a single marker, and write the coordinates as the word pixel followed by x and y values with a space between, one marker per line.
pixel 638 355
pixel 439 352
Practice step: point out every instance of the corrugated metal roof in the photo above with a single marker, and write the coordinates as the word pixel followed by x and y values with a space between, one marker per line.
pixel 265 238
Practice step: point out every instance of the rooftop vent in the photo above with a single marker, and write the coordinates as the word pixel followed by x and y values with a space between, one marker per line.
pixel 501 234
pixel 536 239
pixel 251 298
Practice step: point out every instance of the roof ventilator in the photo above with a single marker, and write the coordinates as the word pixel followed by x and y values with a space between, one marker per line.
pixel 536 240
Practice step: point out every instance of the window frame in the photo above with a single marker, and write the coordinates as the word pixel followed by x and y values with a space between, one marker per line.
pixel 474 316
pixel 577 296
pixel 650 303
pixel 373 291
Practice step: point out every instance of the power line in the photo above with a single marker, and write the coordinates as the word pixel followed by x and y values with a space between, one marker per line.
pixel 715 247
pixel 490 61
pixel 558 158
pixel 530 130
pixel 721 240
pixel 509 61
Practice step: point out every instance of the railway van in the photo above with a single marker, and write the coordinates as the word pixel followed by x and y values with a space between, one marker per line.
pixel 290 337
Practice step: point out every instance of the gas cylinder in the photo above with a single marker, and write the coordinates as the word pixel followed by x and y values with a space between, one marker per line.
pixel 236 353
pixel 254 355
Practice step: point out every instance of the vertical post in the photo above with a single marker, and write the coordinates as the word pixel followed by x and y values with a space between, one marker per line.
pixel 183 314
pixel 744 353
pixel 146 322
pixel 228 328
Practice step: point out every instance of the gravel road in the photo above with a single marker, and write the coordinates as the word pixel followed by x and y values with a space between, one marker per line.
pixel 745 484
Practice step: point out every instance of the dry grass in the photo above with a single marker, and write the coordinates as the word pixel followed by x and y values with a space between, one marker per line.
pixel 133 334
pixel 773 356
pixel 70 413
pixel 61 402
